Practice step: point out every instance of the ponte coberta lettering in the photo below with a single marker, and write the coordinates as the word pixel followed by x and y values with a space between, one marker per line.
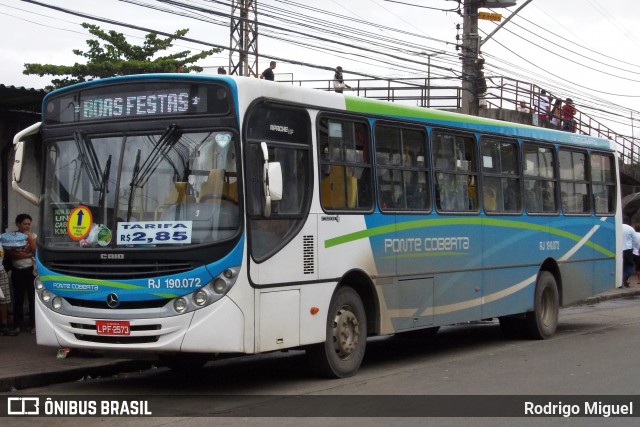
pixel 427 244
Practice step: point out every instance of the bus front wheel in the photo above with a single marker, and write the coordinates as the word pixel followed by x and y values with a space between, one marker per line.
pixel 543 320
pixel 342 352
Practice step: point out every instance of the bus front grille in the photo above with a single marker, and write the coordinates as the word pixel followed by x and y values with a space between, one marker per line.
pixel 123 305
pixel 105 339
pixel 114 270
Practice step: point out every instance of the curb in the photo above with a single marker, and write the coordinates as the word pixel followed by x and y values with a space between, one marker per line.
pixel 621 293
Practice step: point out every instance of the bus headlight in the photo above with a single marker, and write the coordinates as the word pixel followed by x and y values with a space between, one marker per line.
pixel 220 286
pixel 180 305
pixel 208 294
pixel 56 303
pixel 200 298
pixel 39 284
pixel 47 296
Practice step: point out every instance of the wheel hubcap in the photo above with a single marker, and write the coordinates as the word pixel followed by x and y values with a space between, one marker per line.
pixel 346 333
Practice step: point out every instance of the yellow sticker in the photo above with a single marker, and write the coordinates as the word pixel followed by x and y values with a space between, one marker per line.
pixel 79 223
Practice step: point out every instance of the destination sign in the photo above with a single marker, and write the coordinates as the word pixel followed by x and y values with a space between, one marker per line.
pixel 137 104
pixel 136 101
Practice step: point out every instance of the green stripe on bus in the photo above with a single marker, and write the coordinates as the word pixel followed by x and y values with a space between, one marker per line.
pixel 370 106
pixel 410 225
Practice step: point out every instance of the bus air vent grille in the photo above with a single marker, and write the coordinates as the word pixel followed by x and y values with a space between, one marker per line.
pixel 308 254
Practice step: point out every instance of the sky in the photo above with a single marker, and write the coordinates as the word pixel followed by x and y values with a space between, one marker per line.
pixel 584 49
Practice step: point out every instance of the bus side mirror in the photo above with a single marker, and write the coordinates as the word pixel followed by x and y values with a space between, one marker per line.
pixel 18 143
pixel 271 180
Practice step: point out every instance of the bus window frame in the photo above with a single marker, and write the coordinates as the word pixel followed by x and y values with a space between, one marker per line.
pixel 324 164
pixel 297 220
pixel 586 180
pixel 435 170
pixel 518 175
pixel 613 183
pixel 425 168
pixel 556 176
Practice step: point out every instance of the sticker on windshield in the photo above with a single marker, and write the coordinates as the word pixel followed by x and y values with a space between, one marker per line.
pixel 154 233
pixel 79 223
pixel 99 235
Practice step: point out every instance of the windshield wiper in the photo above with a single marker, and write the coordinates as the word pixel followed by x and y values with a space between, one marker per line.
pixel 160 151
pixel 133 186
pixel 91 164
pixel 88 158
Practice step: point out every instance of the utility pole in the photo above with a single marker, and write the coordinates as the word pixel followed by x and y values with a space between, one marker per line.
pixel 469 55
pixel 243 43
pixel 473 82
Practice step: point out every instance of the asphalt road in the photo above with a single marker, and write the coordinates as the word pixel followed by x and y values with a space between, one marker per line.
pixel 595 352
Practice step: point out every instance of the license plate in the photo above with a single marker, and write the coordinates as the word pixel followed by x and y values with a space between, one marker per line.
pixel 113 327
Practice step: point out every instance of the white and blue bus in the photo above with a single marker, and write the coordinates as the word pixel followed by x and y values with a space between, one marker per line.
pixel 198 215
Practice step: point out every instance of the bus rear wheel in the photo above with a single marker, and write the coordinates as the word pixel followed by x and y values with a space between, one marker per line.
pixel 543 320
pixel 342 352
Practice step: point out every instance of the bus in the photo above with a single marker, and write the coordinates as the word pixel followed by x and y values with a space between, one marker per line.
pixel 194 216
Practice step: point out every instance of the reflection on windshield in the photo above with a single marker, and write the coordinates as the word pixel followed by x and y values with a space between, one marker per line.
pixel 172 188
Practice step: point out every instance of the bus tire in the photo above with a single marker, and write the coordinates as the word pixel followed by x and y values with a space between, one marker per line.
pixel 342 352
pixel 543 320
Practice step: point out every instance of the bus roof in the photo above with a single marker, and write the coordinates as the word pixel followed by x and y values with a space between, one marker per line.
pixel 315 98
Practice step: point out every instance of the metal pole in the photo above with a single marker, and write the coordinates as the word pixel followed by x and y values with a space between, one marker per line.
pixel 429 84
pixel 470 58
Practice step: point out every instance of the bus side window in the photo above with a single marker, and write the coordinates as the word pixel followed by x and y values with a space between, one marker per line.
pixel 456 172
pixel 501 179
pixel 402 173
pixel 345 181
pixel 603 183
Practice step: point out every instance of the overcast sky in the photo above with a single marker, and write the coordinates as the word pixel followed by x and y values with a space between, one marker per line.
pixel 591 46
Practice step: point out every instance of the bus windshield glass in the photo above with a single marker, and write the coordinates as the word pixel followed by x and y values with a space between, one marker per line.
pixel 158 189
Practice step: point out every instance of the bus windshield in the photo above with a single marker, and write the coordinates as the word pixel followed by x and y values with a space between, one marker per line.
pixel 157 189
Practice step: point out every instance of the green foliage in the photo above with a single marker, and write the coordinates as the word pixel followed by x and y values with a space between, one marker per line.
pixel 116 57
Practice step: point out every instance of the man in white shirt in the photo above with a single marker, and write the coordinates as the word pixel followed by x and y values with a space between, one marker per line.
pixel 542 107
pixel 628 267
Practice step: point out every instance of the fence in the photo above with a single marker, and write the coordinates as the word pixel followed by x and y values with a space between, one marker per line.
pixel 502 93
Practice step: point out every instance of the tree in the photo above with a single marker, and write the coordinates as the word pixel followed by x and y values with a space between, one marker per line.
pixel 118 58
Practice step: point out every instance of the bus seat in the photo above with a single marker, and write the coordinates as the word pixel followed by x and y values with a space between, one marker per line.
pixel 213 187
pixel 490 199
pixel 230 189
pixel 352 191
pixel 334 193
pixel 178 194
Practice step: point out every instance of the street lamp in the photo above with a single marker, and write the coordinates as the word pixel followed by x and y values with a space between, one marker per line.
pixel 429 55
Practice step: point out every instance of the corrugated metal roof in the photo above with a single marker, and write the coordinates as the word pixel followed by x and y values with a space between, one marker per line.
pixel 21 98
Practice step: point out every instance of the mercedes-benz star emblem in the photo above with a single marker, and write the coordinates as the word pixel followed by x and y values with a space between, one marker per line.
pixel 112 300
